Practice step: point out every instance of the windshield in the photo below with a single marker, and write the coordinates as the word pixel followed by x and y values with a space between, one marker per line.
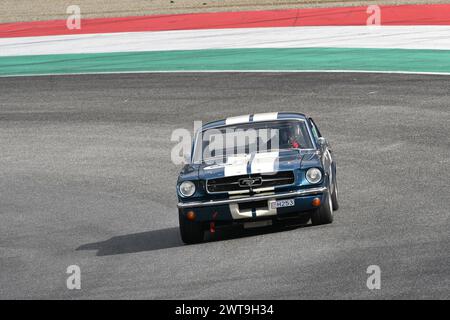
pixel 216 145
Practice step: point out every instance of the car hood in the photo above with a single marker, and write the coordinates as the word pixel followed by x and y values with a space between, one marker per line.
pixel 265 162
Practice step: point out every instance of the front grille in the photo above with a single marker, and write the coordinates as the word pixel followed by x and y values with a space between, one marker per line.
pixel 238 183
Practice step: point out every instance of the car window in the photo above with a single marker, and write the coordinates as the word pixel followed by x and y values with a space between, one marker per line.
pixel 315 132
pixel 254 137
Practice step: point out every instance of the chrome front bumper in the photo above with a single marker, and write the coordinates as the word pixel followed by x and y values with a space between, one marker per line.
pixel 303 192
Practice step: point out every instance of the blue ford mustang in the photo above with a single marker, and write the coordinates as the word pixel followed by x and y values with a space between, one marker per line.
pixel 255 170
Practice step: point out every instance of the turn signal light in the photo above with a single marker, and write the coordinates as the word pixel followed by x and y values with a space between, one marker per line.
pixel 316 202
pixel 190 215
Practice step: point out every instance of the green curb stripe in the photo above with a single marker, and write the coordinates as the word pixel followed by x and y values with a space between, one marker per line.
pixel 395 60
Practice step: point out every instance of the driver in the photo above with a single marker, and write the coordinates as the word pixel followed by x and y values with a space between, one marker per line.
pixel 289 137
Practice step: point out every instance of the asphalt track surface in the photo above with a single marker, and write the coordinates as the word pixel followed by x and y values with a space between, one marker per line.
pixel 86 179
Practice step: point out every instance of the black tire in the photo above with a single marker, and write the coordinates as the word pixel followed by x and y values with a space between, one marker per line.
pixel 334 195
pixel 191 232
pixel 323 215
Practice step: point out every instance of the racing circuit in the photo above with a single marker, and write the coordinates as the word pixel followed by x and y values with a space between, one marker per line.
pixel 86 179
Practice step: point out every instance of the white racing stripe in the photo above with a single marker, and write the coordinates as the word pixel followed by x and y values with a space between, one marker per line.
pixel 399 37
pixel 268 212
pixel 261 163
pixel 247 213
pixel 238 119
pixel 265 116
pixel 237 214
pixel 266 162
pixel 236 165
pixel 256 117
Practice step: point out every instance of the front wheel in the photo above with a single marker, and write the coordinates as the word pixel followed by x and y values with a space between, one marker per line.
pixel 324 214
pixel 334 196
pixel 191 231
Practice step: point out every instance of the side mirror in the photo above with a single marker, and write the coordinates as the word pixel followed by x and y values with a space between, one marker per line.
pixel 322 142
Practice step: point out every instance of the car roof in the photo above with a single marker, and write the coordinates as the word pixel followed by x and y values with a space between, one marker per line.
pixel 257 117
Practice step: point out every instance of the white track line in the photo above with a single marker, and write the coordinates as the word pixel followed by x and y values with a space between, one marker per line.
pixel 222 71
pixel 395 37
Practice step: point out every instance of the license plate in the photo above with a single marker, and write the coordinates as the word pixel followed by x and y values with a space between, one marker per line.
pixel 282 203
pixel 257 224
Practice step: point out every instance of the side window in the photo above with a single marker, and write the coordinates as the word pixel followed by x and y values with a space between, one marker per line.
pixel 314 130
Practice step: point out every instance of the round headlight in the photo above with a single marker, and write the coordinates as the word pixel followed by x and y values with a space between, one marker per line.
pixel 313 175
pixel 187 188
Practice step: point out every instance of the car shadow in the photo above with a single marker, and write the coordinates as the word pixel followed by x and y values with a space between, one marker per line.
pixel 170 238
pixel 136 242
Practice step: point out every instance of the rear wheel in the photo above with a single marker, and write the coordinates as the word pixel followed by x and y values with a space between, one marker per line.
pixel 191 231
pixel 324 214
